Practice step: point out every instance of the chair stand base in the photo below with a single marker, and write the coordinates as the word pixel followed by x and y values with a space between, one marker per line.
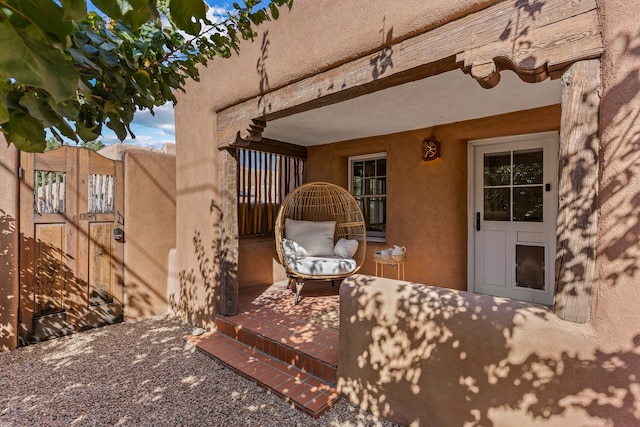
pixel 299 286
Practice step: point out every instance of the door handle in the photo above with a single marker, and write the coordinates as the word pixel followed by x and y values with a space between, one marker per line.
pixel 477 221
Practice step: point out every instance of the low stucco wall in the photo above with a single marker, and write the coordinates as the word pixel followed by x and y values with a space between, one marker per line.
pixel 149 225
pixel 9 251
pixel 258 263
pixel 421 355
pixel 426 201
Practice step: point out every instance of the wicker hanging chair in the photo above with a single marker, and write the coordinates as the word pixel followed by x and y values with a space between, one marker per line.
pixel 318 202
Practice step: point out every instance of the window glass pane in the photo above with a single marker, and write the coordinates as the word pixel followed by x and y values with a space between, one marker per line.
pixel 527 167
pixel 527 204
pixel 370 168
pixel 530 267
pixel 358 169
pixel 369 186
pixel 496 204
pixel 381 186
pixel 376 214
pixel 357 186
pixel 497 169
pixel 382 167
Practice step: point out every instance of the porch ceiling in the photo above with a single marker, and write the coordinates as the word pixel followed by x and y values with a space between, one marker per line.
pixel 446 98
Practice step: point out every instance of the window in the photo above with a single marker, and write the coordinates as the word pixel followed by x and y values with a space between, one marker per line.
pixel 264 179
pixel 368 184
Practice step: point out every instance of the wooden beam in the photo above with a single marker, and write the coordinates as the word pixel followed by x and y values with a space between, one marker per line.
pixel 577 191
pixel 538 53
pixel 504 29
pixel 278 147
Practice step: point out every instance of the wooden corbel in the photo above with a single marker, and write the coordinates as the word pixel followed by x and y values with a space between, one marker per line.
pixel 247 133
pixel 534 54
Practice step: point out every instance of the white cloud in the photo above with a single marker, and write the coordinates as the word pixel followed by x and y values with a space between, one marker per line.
pixel 161 119
pixel 150 130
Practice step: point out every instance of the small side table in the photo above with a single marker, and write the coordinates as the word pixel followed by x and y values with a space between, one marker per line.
pixel 392 261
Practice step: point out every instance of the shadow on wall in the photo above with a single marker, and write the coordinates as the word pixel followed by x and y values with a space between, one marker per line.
pixel 622 114
pixel 198 299
pixel 434 356
pixel 8 263
pixel 54 301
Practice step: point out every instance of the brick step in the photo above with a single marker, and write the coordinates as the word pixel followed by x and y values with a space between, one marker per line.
pixel 314 364
pixel 301 389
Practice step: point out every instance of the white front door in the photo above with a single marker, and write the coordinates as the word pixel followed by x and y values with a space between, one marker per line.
pixel 512 236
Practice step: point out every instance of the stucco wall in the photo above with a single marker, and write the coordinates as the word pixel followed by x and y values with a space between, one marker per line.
pixel 483 350
pixel 326 33
pixel 259 263
pixel 426 201
pixel 149 226
pixel 429 356
pixel 9 278
pixel 462 358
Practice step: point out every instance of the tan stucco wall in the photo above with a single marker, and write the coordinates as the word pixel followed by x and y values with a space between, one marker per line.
pixel 426 201
pixel 9 278
pixel 428 356
pixel 198 212
pixel 616 310
pixel 477 359
pixel 258 263
pixel 317 35
pixel 149 226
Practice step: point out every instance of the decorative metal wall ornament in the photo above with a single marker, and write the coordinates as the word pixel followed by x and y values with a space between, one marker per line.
pixel 430 149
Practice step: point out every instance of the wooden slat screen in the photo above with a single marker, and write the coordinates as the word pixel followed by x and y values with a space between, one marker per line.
pixel 264 179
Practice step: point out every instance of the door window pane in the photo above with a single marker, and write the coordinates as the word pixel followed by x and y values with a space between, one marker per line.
pixel 497 169
pixel 530 267
pixel 527 167
pixel 527 204
pixel 497 204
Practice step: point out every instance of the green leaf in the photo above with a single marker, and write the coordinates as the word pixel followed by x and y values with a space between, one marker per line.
pixel 26 57
pixel 137 16
pixel 26 132
pixel 4 113
pixel 74 9
pixel 114 8
pixel 46 14
pixel 115 125
pixel 183 12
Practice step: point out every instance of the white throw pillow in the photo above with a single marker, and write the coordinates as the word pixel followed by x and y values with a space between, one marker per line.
pixel 293 249
pixel 316 237
pixel 346 248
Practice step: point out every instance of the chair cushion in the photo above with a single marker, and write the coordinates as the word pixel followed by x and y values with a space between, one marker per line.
pixel 345 248
pixel 316 237
pixel 322 266
pixel 293 250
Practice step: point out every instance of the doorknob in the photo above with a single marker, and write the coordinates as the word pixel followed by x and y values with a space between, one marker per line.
pixel 477 221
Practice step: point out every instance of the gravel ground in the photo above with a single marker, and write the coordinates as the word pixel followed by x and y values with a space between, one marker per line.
pixel 141 374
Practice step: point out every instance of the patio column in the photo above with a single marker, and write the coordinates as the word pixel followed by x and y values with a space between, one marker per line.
pixel 577 191
pixel 228 251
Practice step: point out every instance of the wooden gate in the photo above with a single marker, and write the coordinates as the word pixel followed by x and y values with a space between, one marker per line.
pixel 71 269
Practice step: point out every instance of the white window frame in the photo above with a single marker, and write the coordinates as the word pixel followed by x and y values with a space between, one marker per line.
pixel 372 236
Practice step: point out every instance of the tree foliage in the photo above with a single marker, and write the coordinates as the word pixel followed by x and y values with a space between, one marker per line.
pixel 95 145
pixel 71 72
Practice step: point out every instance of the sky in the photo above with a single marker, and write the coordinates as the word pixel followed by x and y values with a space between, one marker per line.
pixel 152 131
